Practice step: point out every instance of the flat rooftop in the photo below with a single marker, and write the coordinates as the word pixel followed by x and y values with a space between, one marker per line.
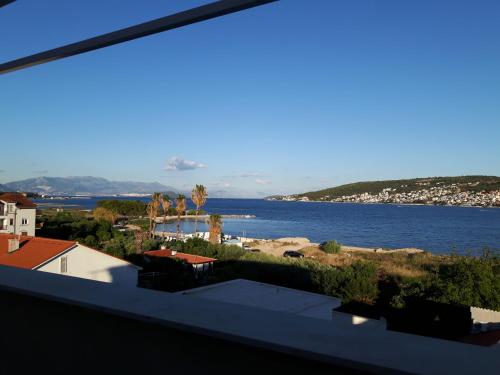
pixel 270 297
pixel 53 338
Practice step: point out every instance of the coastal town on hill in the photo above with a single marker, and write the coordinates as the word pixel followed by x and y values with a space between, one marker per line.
pixel 448 195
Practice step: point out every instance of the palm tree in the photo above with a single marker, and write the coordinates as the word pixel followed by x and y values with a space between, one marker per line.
pixel 180 207
pixel 199 197
pixel 139 237
pixel 152 209
pixel 215 228
pixel 165 205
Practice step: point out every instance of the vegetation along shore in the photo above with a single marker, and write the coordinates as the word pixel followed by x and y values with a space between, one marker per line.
pixel 368 279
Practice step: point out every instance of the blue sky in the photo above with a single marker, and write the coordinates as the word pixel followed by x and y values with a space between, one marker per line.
pixel 288 97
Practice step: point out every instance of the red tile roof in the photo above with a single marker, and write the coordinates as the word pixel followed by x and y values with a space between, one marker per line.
pixel 189 258
pixel 32 252
pixel 19 199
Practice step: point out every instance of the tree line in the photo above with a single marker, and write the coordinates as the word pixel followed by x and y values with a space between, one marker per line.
pixel 161 205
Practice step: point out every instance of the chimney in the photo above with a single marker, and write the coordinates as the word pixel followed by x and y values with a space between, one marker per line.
pixel 13 244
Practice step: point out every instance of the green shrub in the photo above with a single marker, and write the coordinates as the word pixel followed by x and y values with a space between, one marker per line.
pixel 124 207
pixel 357 282
pixel 331 247
pixel 360 282
pixel 115 248
pixel 193 212
pixel 470 281
pixel 462 280
pixel 151 244
pixel 90 241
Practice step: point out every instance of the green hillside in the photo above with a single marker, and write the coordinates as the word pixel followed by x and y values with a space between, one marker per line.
pixel 466 183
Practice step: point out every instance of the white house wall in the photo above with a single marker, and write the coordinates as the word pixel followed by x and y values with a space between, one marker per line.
pixel 91 264
pixel 28 214
pixel 18 214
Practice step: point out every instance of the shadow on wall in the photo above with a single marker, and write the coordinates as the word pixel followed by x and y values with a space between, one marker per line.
pixel 126 275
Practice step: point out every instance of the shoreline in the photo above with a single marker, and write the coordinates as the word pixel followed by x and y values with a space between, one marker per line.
pixel 385 203
pixel 279 245
pixel 160 219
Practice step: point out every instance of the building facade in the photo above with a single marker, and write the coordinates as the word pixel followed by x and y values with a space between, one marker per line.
pixel 17 214
pixel 65 258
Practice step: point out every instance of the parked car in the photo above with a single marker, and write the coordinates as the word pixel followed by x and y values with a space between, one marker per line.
pixel 293 254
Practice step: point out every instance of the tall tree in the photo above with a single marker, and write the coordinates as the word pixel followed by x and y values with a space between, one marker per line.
pixel 180 208
pixel 153 208
pixel 101 213
pixel 165 205
pixel 215 228
pixel 199 197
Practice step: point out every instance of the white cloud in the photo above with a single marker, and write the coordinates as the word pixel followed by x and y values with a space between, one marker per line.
pixel 261 181
pixel 244 175
pixel 177 163
pixel 247 175
pixel 219 184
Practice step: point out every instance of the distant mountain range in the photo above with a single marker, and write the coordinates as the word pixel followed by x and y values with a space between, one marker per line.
pixel 85 185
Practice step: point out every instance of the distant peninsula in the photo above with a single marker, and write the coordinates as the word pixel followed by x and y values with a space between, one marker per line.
pixel 481 191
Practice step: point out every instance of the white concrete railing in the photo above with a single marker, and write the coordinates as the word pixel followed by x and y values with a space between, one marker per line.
pixel 358 347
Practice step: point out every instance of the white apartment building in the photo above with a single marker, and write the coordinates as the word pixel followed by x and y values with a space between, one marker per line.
pixel 17 214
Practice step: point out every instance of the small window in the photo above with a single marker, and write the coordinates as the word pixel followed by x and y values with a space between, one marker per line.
pixel 64 265
pixel 11 222
pixel 24 221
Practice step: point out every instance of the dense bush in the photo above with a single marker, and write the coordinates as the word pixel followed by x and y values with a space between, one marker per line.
pixel 469 281
pixel 193 212
pixel 359 282
pixel 68 226
pixel 171 212
pixel 198 246
pixel 124 207
pixel 101 213
pixel 331 247
pixel 356 282
pixel 95 234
